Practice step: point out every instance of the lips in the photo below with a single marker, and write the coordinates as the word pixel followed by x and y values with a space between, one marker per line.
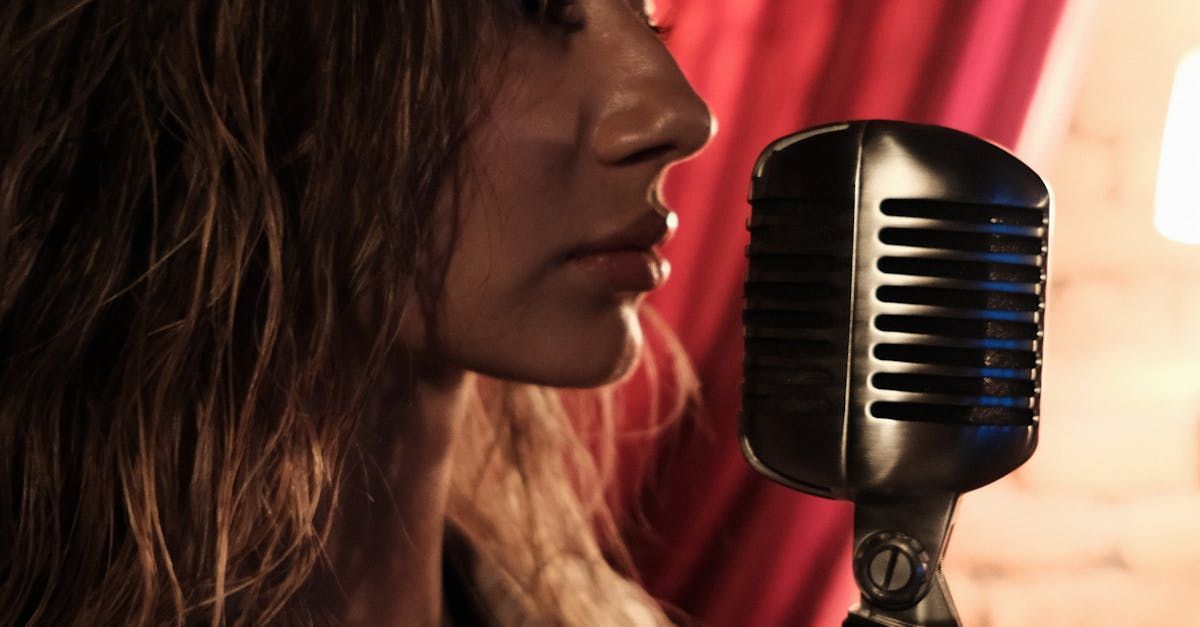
pixel 649 231
pixel 628 260
pixel 627 270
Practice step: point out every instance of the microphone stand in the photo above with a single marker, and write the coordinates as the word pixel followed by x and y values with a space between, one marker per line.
pixel 898 548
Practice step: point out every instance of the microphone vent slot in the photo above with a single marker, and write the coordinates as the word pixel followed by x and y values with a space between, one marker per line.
pixel 796 313
pixel 959 298
pixel 962 318
pixel 958 327
pixel 766 323
pixel 961 386
pixel 963 212
pixel 804 228
pixel 958 269
pixel 967 241
pixel 957 414
pixel 956 356
pixel 788 295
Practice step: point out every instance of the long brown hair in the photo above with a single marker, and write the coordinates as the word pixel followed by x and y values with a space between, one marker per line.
pixel 193 198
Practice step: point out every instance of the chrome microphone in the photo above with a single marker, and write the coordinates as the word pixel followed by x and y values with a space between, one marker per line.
pixel 893 317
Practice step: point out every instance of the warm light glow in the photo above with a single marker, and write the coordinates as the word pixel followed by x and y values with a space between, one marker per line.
pixel 1177 201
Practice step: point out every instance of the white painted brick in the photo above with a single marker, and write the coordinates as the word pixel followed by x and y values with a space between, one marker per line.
pixel 1003 531
pixel 1123 346
pixel 1162 536
pixel 970 599
pixel 1113 456
pixel 1135 46
pixel 1092 175
pixel 1099 597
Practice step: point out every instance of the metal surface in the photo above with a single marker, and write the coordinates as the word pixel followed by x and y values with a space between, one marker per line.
pixel 926 522
pixel 894 317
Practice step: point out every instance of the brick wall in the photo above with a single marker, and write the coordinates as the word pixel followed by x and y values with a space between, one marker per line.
pixel 1102 526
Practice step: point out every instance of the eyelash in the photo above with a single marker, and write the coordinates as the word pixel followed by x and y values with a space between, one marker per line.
pixel 552 12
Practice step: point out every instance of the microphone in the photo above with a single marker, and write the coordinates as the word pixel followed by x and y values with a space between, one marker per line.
pixel 893 332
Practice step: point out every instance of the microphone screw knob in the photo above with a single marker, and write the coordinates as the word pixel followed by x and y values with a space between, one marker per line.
pixel 892 569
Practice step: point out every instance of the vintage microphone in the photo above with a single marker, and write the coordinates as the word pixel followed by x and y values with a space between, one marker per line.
pixel 893 328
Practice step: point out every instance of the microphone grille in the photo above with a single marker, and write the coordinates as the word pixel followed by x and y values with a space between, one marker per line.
pixel 893 309
pixel 795 316
pixel 959 304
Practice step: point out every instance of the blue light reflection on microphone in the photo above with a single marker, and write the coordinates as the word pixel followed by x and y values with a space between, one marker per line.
pixel 1006 258
pixel 1008 229
pixel 1002 401
pixel 1001 286
pixel 996 314
pixel 1005 344
pixel 986 437
pixel 1004 373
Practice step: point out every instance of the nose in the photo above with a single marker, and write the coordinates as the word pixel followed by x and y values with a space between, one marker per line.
pixel 647 112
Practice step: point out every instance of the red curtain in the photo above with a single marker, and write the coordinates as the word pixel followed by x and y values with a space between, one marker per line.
pixel 728 546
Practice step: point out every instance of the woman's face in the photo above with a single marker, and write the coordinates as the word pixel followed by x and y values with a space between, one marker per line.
pixel 560 217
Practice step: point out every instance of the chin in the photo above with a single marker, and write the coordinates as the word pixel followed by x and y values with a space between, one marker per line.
pixel 598 354
pixel 603 371
pixel 571 352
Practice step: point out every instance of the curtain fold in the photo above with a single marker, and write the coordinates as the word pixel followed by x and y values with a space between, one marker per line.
pixel 725 545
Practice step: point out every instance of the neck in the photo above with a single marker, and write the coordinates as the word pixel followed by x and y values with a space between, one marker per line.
pixel 387 535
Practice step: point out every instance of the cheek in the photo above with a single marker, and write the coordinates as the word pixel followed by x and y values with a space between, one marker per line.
pixel 536 328
pixel 511 307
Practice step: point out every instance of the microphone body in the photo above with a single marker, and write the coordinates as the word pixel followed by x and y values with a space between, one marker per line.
pixel 893 328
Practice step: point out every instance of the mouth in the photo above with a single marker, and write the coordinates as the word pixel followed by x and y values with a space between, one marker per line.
pixel 629 259
pixel 626 270
pixel 649 232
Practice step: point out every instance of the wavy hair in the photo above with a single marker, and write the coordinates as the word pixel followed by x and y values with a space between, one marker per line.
pixel 193 198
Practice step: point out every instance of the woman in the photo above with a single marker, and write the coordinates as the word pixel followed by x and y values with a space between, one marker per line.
pixel 278 286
